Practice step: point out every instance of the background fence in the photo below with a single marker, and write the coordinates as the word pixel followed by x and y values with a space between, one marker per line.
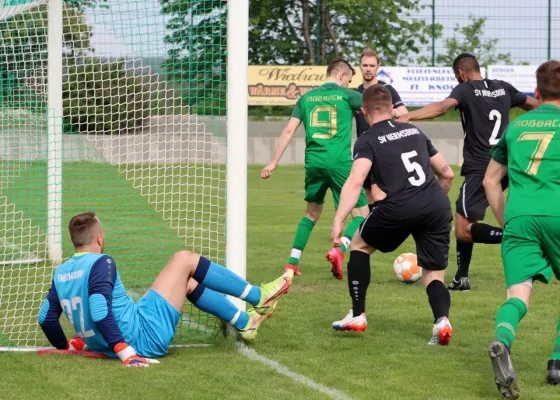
pixel 527 29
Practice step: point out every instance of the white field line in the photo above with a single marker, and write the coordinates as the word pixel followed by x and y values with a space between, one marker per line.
pixel 282 370
pixel 29 349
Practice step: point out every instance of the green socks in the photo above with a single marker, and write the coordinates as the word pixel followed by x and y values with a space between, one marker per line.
pixel 556 351
pixel 349 232
pixel 507 319
pixel 303 232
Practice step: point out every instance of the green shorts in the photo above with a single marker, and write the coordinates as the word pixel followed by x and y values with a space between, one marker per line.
pixel 318 180
pixel 531 249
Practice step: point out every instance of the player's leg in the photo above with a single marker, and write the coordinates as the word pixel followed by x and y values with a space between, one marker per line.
pixel 432 234
pixel 335 256
pixel 550 234
pixel 471 207
pixel 359 277
pixel 378 232
pixel 315 190
pixel 173 284
pixel 523 263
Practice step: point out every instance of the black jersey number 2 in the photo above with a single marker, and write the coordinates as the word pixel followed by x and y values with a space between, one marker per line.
pixel 495 115
pixel 412 166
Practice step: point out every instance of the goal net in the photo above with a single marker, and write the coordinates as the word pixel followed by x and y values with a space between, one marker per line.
pixel 117 107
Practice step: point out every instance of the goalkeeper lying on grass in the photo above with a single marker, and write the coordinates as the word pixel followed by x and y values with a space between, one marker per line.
pixel 89 290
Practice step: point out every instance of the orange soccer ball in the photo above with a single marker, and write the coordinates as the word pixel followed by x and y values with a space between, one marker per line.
pixel 406 268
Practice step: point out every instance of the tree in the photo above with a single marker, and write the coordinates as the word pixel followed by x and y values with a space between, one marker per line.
pixel 98 96
pixel 23 41
pixel 302 31
pixel 196 59
pixel 469 39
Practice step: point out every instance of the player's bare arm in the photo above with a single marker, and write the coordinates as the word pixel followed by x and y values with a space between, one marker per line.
pixel 283 143
pixel 433 110
pixel 443 171
pixel 493 187
pixel 349 196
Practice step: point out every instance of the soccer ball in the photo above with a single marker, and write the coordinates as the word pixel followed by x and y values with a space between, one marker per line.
pixel 406 268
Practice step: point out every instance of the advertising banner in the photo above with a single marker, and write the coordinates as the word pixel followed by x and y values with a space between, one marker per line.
pixel 283 85
pixel 522 77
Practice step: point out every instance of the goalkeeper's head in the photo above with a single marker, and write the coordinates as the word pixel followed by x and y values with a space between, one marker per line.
pixel 86 233
pixel 340 71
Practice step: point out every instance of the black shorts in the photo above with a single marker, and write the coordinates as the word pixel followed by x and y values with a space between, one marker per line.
pixel 472 202
pixel 431 233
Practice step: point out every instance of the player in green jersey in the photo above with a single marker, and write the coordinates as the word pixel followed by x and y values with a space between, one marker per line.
pixel 327 113
pixel 529 152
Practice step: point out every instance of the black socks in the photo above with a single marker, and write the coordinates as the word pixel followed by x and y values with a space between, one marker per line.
pixel 484 233
pixel 359 276
pixel 464 254
pixel 439 298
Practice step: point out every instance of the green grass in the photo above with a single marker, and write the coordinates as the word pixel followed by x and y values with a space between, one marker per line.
pixel 390 361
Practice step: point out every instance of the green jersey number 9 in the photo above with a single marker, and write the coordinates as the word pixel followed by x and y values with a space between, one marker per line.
pixel 326 126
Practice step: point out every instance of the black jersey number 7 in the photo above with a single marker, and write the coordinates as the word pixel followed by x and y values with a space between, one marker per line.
pixel 413 166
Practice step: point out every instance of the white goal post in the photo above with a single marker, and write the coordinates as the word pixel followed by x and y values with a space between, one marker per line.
pixel 178 180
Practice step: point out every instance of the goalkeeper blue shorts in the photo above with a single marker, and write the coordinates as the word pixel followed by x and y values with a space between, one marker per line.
pixel 158 320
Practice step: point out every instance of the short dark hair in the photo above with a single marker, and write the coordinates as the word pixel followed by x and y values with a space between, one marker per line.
pixel 81 228
pixel 339 64
pixel 377 98
pixel 548 80
pixel 369 53
pixel 466 62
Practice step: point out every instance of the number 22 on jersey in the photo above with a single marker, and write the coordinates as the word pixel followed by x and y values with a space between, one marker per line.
pixel 327 124
pixel 76 305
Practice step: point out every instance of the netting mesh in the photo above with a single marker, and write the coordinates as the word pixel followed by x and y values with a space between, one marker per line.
pixel 142 144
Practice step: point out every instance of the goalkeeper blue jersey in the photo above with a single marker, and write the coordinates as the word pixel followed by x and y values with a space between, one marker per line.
pixel 72 283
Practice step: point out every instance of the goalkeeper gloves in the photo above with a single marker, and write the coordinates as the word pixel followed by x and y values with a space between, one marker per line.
pixel 129 358
pixel 76 344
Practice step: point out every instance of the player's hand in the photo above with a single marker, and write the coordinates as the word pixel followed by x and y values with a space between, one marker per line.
pixel 267 171
pixel 336 233
pixel 129 357
pixel 76 344
pixel 403 118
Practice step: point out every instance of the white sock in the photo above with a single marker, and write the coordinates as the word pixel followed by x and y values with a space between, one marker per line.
pixel 296 253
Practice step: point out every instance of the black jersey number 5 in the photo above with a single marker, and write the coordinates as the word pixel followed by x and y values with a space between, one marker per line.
pixel 413 167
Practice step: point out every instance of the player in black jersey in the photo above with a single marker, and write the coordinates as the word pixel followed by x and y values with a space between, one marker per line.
pixel 402 161
pixel 369 65
pixel 484 105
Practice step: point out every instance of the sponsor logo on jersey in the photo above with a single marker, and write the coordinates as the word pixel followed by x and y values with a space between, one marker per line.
pixel 70 276
pixel 398 135
pixel 488 93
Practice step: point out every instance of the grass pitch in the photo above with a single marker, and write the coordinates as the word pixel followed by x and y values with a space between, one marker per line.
pixel 391 360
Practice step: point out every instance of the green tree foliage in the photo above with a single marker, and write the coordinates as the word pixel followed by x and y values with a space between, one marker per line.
pixel 102 97
pixel 99 95
pixel 303 31
pixel 196 62
pixel 470 39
